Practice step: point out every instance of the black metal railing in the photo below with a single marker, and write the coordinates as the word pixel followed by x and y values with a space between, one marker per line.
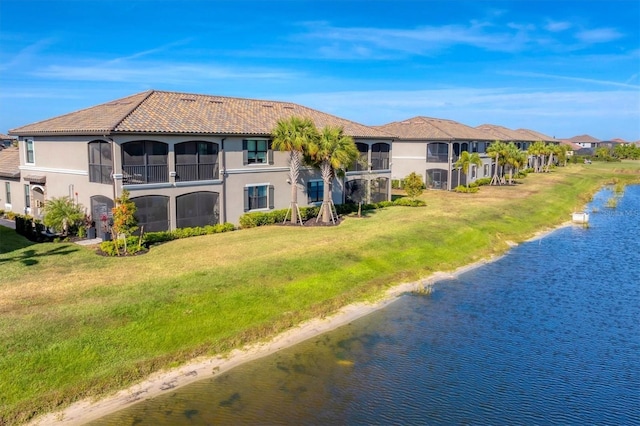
pixel 145 174
pixel 202 171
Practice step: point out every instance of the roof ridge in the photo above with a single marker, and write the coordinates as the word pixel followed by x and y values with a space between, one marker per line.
pixel 132 109
pixel 237 98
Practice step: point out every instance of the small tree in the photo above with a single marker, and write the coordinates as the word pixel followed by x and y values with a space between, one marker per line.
pixel 466 161
pixel 413 185
pixel 62 213
pixel 124 221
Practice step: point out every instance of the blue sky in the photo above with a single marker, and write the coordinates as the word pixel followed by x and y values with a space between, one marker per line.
pixel 564 68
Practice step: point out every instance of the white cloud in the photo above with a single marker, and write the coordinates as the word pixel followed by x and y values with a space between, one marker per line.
pixel 600 35
pixel 155 72
pixel 557 26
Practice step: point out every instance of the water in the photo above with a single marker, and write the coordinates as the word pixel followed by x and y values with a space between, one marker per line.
pixel 549 334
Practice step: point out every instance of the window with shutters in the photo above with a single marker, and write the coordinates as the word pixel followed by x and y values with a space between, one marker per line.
pixel 257 151
pixel 258 197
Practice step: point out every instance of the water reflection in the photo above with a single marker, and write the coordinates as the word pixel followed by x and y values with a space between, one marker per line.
pixel 546 335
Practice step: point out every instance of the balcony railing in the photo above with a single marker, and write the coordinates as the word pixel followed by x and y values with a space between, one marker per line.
pixel 191 172
pixel 145 174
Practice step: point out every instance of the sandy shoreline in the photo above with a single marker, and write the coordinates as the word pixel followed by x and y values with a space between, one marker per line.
pixel 158 383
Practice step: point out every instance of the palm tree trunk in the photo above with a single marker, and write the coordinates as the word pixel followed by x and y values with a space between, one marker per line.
pixel 294 170
pixel 327 176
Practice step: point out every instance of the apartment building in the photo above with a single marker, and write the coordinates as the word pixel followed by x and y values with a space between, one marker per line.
pixel 186 159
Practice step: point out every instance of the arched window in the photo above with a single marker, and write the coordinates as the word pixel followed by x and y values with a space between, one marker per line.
pixel 100 162
pixel 380 156
pixel 144 162
pixel 196 160
pixel 362 163
pixel 152 212
pixel 439 152
pixel 356 191
pixel 437 178
pixel 379 190
pixel 197 209
pixel 101 212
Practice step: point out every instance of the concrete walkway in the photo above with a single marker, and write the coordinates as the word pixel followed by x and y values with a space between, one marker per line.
pixel 8 223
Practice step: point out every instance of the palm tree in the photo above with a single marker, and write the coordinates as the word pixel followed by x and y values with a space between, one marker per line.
pixel 465 161
pixel 332 152
pixel 497 151
pixel 62 213
pixel 294 135
pixel 538 150
pixel 515 158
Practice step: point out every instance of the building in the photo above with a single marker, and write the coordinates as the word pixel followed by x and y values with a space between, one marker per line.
pixel 186 159
pixel 431 146
pixel 12 193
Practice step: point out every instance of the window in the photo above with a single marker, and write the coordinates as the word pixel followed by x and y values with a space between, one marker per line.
pixel 258 197
pixel 197 209
pixel 144 162
pixel 196 161
pixel 355 191
pixel 30 155
pixel 362 162
pixel 152 213
pixel 438 152
pixel 380 156
pixel 27 197
pixel 100 162
pixel 379 190
pixel 101 211
pixel 257 151
pixel 437 178
pixel 486 170
pixel 315 190
pixel 7 190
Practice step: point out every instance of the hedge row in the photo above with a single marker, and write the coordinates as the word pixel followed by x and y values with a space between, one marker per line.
pixel 163 236
pixel 251 220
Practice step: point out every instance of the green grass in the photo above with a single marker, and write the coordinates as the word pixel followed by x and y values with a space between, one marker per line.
pixel 76 325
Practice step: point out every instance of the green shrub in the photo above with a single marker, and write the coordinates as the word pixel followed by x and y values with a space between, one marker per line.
pixel 396 183
pixel 483 181
pixel 151 238
pixel 116 247
pixel 10 215
pixel 408 202
pixel 464 189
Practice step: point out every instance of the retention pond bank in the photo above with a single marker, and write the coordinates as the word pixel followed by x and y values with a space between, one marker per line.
pixel 544 335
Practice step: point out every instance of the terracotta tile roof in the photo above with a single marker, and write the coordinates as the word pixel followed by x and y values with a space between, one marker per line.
pixel 426 128
pixel 185 113
pixel 9 162
pixel 537 135
pixel 583 139
pixel 502 133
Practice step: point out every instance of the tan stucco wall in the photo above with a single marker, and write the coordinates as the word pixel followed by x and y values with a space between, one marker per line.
pixel 64 162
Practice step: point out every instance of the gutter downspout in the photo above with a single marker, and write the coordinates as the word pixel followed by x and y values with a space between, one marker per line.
pixel 113 168
pixel 450 166
pixel 223 173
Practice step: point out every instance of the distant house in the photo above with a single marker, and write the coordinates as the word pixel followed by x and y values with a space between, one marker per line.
pixel 11 192
pixel 584 141
pixel 6 141
pixel 186 159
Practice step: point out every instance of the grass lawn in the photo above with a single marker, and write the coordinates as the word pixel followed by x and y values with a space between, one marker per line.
pixel 74 324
